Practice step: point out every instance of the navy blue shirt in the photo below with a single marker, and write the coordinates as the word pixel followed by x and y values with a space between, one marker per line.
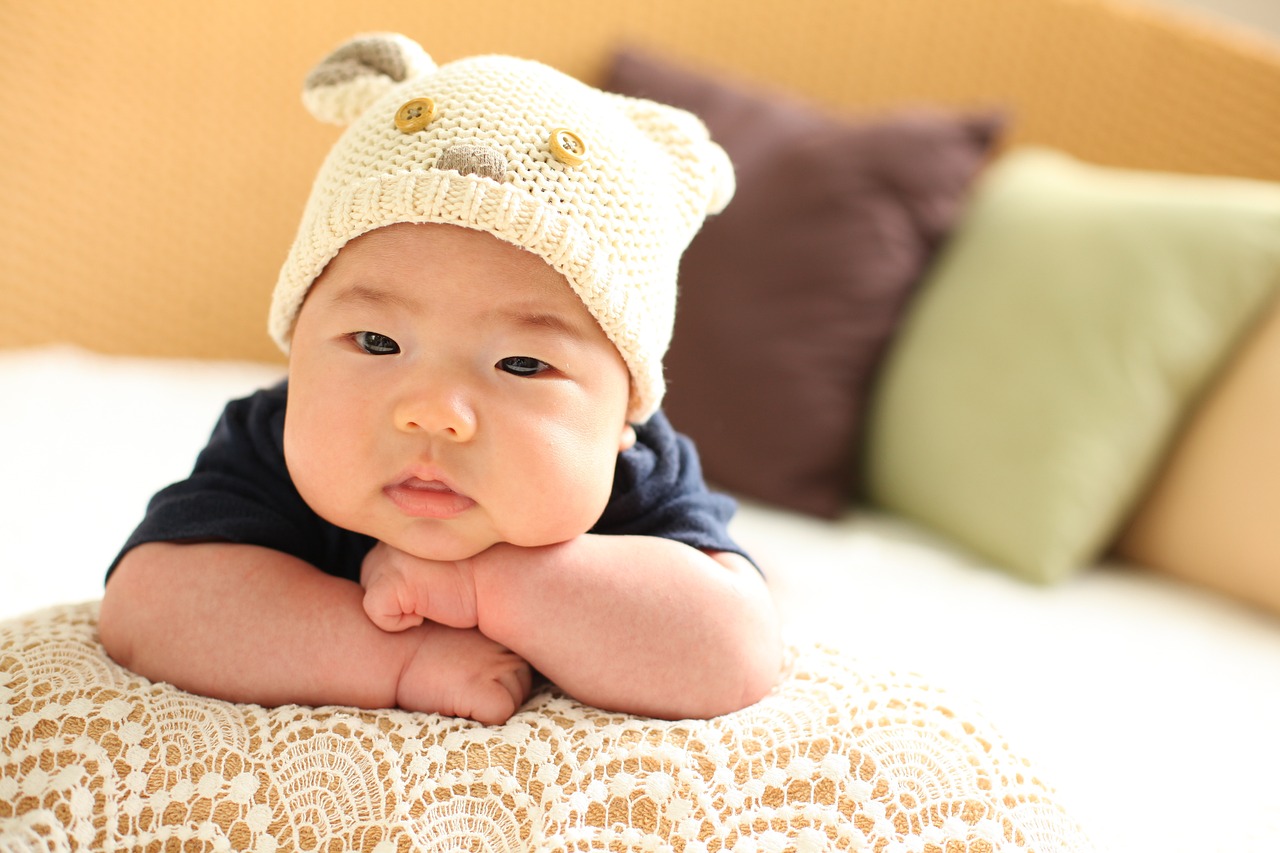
pixel 240 492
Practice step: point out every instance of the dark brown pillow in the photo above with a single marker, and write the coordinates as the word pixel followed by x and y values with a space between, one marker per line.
pixel 789 297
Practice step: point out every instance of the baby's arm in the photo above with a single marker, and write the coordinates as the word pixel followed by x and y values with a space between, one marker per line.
pixel 249 624
pixel 638 624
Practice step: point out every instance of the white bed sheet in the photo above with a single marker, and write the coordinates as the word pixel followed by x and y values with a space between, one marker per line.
pixel 1153 707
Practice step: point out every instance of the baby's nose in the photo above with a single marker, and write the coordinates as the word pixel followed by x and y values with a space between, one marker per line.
pixel 444 414
pixel 469 158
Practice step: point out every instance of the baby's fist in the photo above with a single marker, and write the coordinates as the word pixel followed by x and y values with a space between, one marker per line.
pixel 464 674
pixel 401 591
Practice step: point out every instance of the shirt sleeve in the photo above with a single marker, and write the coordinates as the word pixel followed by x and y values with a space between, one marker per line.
pixel 658 490
pixel 240 491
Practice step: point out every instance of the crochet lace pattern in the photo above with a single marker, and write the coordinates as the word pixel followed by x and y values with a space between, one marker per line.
pixel 836 758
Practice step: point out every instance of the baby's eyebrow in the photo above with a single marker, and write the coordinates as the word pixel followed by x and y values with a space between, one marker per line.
pixel 542 320
pixel 366 294
pixel 521 316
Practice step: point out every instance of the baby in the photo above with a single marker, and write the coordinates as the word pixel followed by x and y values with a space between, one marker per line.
pixel 466 478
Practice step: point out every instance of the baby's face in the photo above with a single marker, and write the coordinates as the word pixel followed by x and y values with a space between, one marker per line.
pixel 448 391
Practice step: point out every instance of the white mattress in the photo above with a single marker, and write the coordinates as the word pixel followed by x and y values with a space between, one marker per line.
pixel 1152 707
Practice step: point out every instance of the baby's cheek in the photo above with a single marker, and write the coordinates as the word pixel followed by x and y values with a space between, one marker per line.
pixel 588 494
pixel 316 493
pixel 548 509
pixel 316 472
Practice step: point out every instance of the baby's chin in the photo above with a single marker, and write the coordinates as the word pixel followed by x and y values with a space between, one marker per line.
pixel 452 553
pixel 426 539
pixel 450 542
pixel 441 552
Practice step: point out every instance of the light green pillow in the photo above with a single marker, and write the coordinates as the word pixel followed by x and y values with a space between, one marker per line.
pixel 1056 347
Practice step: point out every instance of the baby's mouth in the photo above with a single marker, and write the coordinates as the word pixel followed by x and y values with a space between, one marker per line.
pixel 427 498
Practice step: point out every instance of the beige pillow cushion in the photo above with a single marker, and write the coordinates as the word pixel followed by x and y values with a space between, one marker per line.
pixel 837 757
pixel 1213 516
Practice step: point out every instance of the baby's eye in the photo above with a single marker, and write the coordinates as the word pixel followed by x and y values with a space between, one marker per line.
pixel 523 365
pixel 375 344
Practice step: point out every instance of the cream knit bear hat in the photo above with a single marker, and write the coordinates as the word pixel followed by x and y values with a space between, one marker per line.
pixel 608 190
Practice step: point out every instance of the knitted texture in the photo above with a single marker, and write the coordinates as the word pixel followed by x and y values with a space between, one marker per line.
pixel 608 190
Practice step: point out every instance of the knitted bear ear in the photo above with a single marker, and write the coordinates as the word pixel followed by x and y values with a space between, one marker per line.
pixel 723 182
pixel 359 72
pixel 687 140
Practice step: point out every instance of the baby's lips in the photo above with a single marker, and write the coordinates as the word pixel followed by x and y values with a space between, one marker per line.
pixel 426 485
pixel 424 478
pixel 427 497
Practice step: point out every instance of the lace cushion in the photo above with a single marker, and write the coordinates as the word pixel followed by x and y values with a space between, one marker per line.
pixel 835 758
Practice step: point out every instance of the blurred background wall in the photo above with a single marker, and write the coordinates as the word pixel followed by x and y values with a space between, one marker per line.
pixel 155 156
pixel 1260 14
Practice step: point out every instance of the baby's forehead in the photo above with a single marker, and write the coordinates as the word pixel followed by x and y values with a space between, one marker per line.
pixel 446 237
pixel 437 245
pixel 414 257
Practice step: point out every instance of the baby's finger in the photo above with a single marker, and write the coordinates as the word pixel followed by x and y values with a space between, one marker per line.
pixel 493 704
pixel 525 674
pixel 385 611
pixel 399 622
pixel 518 681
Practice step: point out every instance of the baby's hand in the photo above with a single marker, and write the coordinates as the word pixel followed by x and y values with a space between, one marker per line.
pixel 462 673
pixel 401 590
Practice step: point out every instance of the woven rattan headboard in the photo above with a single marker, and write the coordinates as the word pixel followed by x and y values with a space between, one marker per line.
pixel 154 156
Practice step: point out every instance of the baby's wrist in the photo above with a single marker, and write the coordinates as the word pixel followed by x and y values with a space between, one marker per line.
pixel 500 557
pixel 500 576
pixel 415 667
pixel 485 572
pixel 475 571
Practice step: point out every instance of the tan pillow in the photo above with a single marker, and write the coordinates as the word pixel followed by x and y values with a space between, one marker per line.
pixel 836 757
pixel 1213 516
